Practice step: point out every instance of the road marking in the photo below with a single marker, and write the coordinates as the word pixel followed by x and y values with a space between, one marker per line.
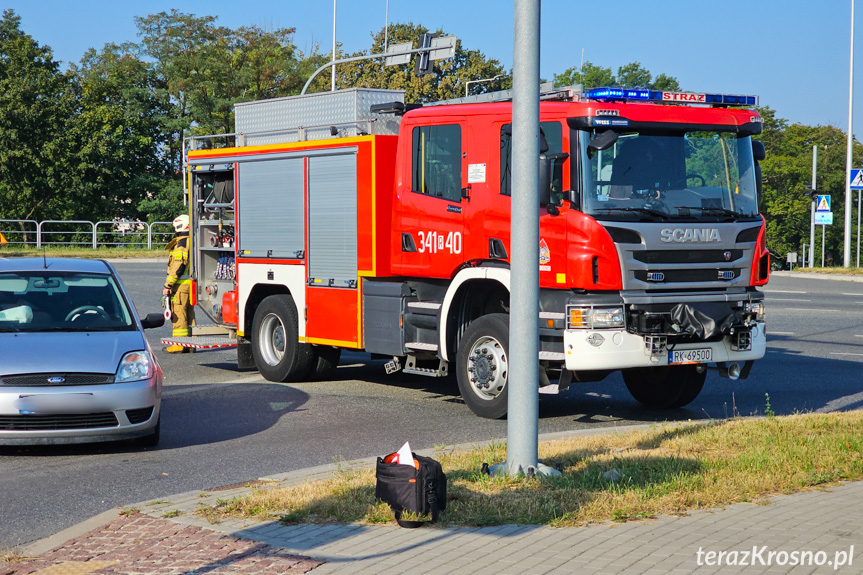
pixel 843 353
pixel 787 299
pixel 785 291
pixel 804 309
pixel 785 333
pixel 854 294
pixel 858 336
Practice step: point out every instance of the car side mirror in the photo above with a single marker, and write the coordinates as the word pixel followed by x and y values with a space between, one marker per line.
pixel 153 320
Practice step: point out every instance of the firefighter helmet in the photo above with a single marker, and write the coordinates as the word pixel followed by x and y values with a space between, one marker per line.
pixel 181 223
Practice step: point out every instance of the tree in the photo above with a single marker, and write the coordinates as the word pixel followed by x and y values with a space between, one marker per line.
pixel 446 81
pixel 117 133
pixel 632 75
pixel 787 175
pixel 37 102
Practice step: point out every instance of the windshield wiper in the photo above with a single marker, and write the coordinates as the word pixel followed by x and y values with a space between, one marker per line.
pixel 715 209
pixel 646 211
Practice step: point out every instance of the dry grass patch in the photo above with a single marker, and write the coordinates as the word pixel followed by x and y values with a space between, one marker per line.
pixel 835 270
pixel 12 555
pixel 664 470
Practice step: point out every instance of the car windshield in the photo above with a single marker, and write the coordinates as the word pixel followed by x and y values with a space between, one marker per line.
pixel 51 301
pixel 700 176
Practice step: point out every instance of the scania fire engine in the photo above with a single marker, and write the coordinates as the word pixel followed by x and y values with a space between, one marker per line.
pixel 351 220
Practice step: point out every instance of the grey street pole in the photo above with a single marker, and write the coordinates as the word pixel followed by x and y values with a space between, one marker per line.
pixel 823 228
pixel 522 433
pixel 333 82
pixel 858 228
pixel 812 212
pixel 848 159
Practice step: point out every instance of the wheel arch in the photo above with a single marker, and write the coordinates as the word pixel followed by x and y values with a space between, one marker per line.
pixel 258 294
pixel 473 292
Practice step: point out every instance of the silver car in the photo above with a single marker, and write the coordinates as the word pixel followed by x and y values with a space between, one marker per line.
pixel 75 366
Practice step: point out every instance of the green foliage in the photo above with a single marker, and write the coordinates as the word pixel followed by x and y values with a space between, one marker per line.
pixel 787 175
pixel 632 75
pixel 37 102
pixel 447 80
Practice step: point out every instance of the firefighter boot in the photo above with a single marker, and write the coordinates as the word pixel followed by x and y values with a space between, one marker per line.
pixel 174 349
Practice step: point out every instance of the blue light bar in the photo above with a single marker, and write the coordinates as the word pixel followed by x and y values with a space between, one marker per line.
pixel 610 94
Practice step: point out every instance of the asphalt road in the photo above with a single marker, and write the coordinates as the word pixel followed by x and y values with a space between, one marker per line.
pixel 221 426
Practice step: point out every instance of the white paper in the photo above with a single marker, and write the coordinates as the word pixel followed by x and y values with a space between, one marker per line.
pixel 405 457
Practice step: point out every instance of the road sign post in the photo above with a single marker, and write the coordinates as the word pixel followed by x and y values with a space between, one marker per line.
pixel 856 179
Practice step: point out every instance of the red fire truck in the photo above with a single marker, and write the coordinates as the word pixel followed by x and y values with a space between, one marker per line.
pixel 350 220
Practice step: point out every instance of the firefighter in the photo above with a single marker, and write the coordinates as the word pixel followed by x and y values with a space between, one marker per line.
pixel 177 283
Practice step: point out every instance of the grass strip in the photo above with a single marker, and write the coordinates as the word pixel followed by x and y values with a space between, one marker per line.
pixel 7 251
pixel 666 470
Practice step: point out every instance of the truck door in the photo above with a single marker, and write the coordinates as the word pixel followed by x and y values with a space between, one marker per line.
pixel 428 211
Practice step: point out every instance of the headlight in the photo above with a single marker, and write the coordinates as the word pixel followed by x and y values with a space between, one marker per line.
pixel 134 366
pixel 595 317
pixel 756 308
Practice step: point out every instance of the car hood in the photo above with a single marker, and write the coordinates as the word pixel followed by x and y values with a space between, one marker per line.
pixel 82 352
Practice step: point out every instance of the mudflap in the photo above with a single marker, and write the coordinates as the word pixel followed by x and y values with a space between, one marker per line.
pixel 245 359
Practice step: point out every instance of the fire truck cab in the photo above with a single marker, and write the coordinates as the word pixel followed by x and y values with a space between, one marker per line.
pixel 390 233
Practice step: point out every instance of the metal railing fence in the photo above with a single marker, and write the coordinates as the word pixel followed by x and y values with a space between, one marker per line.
pixel 84 233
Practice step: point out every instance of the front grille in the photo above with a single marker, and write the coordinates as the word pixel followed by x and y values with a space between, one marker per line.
pixel 57 422
pixel 687 256
pixel 681 276
pixel 41 379
pixel 139 415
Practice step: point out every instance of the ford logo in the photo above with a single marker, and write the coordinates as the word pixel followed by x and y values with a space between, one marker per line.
pixel 56 380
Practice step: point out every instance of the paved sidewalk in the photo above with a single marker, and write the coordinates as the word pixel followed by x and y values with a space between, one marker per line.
pixel 812 532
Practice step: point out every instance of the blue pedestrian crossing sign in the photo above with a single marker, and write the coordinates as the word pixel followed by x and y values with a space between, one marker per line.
pixel 857 179
pixel 823 204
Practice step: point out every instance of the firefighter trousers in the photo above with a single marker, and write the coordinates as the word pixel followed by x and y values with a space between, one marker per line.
pixel 182 314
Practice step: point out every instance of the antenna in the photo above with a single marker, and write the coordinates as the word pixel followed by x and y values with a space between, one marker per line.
pixel 44 259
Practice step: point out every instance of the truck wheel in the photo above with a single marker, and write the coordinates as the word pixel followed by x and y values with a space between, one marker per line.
pixel 279 355
pixel 324 362
pixel 483 367
pixel 664 386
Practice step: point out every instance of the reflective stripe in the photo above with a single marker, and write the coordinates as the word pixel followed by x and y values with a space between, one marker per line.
pixel 170 280
pixel 181 332
pixel 180 254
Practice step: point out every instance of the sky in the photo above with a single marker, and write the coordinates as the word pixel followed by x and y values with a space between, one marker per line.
pixel 793 54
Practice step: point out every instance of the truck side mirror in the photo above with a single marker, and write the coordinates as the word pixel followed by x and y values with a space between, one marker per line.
pixel 550 174
pixel 601 142
pixel 758 154
pixel 758 151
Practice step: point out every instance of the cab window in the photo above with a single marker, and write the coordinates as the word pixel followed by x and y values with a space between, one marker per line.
pixel 437 161
pixel 552 134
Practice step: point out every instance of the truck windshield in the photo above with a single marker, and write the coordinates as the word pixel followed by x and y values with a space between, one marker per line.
pixel 669 176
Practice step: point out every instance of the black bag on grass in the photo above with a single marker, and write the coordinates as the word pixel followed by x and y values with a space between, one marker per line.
pixel 420 488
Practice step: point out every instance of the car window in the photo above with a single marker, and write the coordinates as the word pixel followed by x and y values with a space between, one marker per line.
pixel 51 301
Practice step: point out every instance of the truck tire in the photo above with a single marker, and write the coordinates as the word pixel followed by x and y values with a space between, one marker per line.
pixel 278 353
pixel 483 366
pixel 664 386
pixel 324 362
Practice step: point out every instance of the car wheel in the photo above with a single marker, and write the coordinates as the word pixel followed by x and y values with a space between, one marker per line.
pixel 483 367
pixel 664 386
pixel 278 353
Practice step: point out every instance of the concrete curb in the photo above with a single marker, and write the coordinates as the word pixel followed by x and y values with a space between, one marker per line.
pixel 301 476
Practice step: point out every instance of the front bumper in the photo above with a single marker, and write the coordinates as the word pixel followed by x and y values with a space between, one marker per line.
pixel 620 349
pixel 100 413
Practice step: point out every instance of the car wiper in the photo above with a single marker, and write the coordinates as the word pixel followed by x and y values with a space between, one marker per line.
pixel 715 209
pixel 647 211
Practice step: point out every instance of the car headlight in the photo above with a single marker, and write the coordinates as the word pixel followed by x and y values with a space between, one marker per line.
pixel 756 308
pixel 135 366
pixel 582 317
